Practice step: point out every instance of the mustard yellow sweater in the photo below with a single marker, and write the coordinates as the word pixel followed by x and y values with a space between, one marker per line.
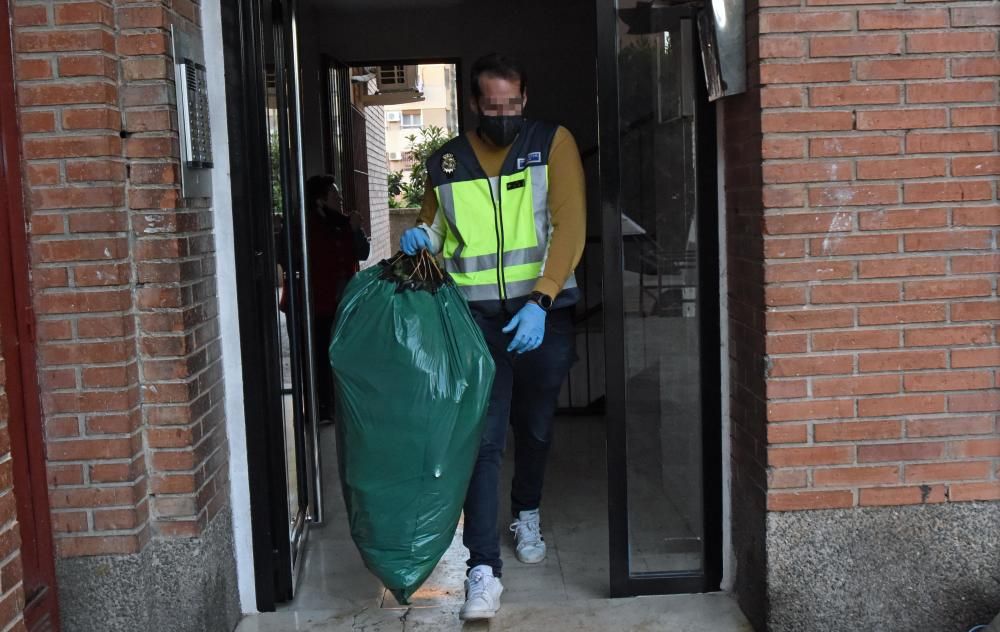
pixel 567 204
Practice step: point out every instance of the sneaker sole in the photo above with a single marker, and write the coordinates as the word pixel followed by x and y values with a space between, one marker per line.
pixel 529 560
pixel 524 560
pixel 478 616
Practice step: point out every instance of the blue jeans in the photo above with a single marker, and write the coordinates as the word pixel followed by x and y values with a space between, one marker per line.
pixel 525 393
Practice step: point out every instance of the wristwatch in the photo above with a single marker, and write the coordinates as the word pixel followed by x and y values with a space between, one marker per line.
pixel 541 299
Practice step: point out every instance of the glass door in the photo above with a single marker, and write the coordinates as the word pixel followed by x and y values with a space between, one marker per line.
pixel 661 301
pixel 294 385
pixel 272 279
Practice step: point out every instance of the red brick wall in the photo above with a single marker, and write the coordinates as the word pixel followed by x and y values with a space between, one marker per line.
pixel 123 278
pixel 11 587
pixel 880 232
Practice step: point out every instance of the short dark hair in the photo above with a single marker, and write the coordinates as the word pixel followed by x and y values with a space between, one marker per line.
pixel 499 66
pixel 317 188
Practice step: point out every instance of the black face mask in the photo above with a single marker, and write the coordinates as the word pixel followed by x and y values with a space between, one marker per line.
pixel 501 130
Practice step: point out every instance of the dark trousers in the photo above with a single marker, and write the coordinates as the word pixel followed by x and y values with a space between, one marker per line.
pixel 525 393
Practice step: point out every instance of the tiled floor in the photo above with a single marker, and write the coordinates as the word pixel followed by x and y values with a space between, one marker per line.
pixel 568 591
pixel 714 612
pixel 574 521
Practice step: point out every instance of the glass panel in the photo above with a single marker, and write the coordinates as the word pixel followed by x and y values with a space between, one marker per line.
pixel 282 299
pixel 288 273
pixel 661 294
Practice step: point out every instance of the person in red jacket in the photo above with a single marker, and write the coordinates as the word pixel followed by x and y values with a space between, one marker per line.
pixel 337 242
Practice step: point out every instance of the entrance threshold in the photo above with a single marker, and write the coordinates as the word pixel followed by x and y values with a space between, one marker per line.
pixel 565 592
pixel 707 612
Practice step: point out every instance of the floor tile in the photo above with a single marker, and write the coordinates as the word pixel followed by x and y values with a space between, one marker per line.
pixel 565 592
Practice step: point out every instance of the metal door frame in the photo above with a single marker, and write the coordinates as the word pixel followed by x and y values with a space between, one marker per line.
pixel 300 297
pixel 623 583
pixel 276 561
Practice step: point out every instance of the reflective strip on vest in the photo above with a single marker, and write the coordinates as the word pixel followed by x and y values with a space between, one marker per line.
pixel 470 248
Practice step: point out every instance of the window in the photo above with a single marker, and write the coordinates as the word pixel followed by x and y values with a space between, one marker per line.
pixel 412 119
pixel 392 116
pixel 392 75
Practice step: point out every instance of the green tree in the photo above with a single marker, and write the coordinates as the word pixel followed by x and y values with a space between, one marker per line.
pixel 395 183
pixel 395 189
pixel 430 140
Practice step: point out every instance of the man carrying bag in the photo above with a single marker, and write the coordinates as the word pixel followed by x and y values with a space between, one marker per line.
pixel 505 206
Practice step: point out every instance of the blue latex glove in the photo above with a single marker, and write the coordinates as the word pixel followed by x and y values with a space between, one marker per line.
pixel 414 240
pixel 530 324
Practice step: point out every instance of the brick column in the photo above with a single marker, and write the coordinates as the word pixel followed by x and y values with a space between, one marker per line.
pixel 880 233
pixel 174 268
pixel 123 275
pixel 70 119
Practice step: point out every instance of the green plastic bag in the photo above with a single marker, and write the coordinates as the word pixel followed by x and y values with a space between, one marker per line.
pixel 413 378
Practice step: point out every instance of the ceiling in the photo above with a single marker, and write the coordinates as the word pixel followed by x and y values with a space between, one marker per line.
pixel 381 5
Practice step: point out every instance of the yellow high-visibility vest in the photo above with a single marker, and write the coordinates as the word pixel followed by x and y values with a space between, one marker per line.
pixel 497 229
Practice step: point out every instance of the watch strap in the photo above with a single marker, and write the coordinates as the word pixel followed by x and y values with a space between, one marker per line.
pixel 541 299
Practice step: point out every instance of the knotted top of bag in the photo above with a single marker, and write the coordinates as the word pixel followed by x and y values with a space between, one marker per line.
pixel 419 272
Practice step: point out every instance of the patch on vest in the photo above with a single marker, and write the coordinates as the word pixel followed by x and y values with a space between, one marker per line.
pixel 516 184
pixel 448 163
pixel 534 158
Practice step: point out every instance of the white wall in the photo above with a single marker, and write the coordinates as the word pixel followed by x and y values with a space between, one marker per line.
pixel 378 186
pixel 232 363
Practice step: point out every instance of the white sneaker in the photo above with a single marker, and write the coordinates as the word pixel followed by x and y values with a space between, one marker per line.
pixel 482 594
pixel 528 536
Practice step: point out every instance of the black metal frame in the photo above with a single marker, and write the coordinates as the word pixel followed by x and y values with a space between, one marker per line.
pixel 283 18
pixel 706 168
pixel 623 582
pixel 246 93
pixel 614 319
pixel 327 64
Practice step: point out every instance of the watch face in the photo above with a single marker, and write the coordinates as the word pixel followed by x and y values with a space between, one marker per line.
pixel 544 300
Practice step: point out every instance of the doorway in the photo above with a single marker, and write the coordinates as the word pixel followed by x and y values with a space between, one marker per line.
pixel 646 388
